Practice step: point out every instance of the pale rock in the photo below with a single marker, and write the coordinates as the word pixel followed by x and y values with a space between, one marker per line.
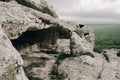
pixel 88 68
pixel 79 45
pixel 16 19
pixel 10 60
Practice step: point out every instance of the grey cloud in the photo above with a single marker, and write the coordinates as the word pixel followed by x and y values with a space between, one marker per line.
pixel 86 20
pixel 95 14
pixel 87 11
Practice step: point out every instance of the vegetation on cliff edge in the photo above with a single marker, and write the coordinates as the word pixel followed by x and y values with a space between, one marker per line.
pixel 42 7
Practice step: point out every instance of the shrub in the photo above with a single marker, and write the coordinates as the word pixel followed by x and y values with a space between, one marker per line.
pixel 57 74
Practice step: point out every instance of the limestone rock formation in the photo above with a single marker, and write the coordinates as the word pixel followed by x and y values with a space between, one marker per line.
pixel 10 60
pixel 42 6
pixel 17 20
pixel 33 33
pixel 50 49
pixel 87 68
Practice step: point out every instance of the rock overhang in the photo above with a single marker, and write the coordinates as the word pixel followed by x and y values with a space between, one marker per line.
pixel 27 17
pixel 25 25
pixel 45 38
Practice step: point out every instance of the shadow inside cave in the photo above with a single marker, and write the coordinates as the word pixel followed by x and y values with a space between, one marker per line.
pixel 44 38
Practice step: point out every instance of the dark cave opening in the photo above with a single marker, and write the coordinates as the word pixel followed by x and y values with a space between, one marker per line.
pixel 45 38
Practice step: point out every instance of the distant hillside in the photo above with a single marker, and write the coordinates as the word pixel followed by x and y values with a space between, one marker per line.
pixel 107 36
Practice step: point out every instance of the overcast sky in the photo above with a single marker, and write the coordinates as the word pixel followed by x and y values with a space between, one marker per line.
pixel 87 11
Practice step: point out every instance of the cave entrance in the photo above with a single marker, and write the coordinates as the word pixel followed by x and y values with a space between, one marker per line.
pixel 44 38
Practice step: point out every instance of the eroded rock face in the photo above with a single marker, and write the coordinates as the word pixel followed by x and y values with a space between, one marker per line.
pixel 33 33
pixel 10 60
pixel 79 45
pixel 51 49
pixel 40 7
pixel 24 18
pixel 87 68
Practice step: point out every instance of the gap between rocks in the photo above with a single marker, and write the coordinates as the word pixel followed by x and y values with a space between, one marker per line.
pixel 44 38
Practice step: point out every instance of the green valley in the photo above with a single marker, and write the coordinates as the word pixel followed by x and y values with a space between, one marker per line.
pixel 107 36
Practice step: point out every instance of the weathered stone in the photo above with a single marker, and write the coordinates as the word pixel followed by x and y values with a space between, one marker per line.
pixel 38 65
pixel 28 18
pixel 9 60
pixel 80 46
pixel 32 33
pixel 88 68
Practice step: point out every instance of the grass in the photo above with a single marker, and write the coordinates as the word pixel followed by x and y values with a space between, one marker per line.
pixel 41 63
pixel 57 74
pixel 107 37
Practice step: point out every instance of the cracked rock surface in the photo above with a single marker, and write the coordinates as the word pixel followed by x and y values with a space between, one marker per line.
pixel 50 49
pixel 25 31
pixel 88 68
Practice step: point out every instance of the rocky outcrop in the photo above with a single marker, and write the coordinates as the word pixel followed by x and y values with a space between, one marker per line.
pixel 51 49
pixel 102 67
pixel 17 20
pixel 33 33
pixel 10 60
pixel 42 6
